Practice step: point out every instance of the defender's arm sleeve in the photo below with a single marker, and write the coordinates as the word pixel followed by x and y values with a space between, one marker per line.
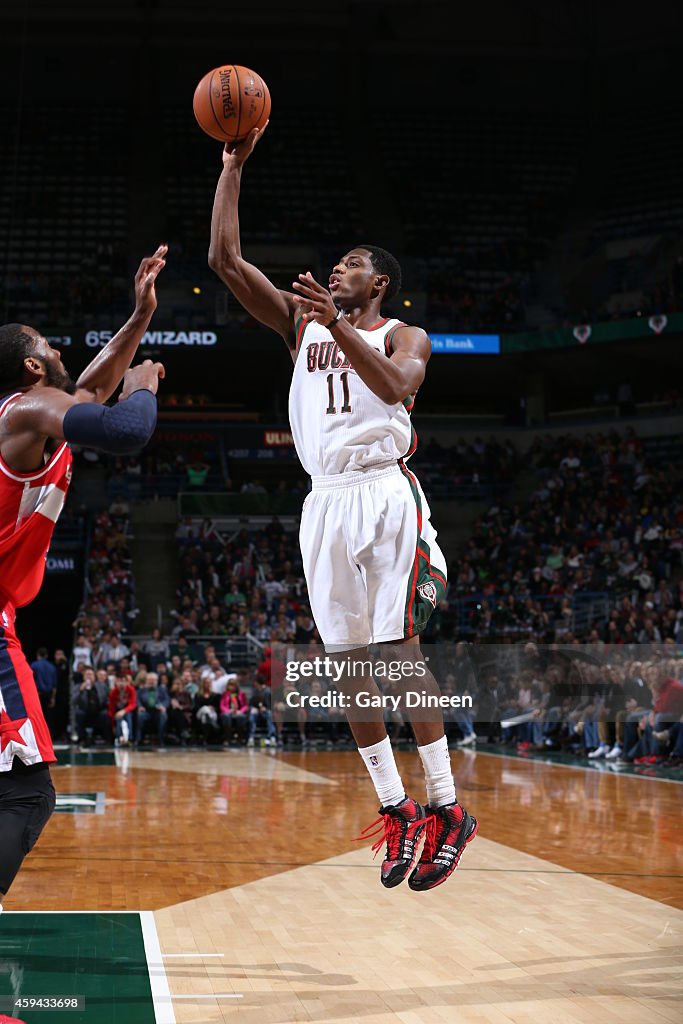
pixel 118 429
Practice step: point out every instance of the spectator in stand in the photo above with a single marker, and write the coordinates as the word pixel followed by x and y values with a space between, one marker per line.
pixel 667 709
pixel 274 589
pixel 271 669
pixel 61 663
pixel 91 700
pixel 112 649
pixel 490 695
pixel 633 699
pixel 206 707
pixel 82 652
pixel 259 628
pixel 179 712
pixel 208 655
pixel 313 718
pixel 185 650
pixel 153 706
pixel 187 531
pixel 125 669
pixel 122 704
pixel 45 675
pixel 235 596
pixel 197 473
pixel 119 508
pixel 260 713
pixel 304 630
pixel 217 675
pixel 156 649
pixel 135 657
pixel 234 712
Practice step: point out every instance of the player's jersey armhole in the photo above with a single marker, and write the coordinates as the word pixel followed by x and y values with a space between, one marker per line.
pixel 388 340
pixel 35 474
pixel 300 326
pixel 25 478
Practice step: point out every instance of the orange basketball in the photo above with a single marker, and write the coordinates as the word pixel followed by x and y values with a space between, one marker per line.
pixel 230 101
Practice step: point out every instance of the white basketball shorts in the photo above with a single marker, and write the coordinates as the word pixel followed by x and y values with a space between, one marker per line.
pixel 373 567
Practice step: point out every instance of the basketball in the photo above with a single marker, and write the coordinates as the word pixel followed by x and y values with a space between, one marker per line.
pixel 230 101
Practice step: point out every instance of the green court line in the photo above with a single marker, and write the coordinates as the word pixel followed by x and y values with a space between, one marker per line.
pixel 84 758
pixel 80 803
pixel 100 956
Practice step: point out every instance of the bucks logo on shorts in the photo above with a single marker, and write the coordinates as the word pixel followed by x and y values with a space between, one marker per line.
pixel 428 592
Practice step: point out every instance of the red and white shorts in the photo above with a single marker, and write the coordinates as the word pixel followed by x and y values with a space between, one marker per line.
pixel 23 730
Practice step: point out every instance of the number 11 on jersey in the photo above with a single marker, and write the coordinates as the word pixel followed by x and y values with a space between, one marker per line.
pixel 346 407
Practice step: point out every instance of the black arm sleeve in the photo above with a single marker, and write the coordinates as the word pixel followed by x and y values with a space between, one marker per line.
pixel 118 429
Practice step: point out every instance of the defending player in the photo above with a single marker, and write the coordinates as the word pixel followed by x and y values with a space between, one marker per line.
pixel 41 411
pixel 373 569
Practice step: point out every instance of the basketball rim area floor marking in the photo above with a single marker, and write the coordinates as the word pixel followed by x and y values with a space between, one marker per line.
pixel 111 959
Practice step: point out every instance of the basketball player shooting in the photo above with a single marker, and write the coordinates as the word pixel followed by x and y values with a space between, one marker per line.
pixel 41 411
pixel 373 568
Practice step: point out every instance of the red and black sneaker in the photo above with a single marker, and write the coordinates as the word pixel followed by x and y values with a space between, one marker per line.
pixel 401 826
pixel 449 830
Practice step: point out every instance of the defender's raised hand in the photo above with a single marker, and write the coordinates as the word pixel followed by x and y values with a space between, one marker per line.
pixel 145 375
pixel 314 301
pixel 149 269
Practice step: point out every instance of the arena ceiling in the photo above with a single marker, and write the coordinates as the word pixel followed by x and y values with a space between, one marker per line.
pixel 579 28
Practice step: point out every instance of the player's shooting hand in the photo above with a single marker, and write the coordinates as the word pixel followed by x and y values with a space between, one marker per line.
pixel 150 267
pixel 235 153
pixel 313 301
pixel 144 375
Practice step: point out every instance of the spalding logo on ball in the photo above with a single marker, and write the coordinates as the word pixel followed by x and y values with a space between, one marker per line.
pixel 230 101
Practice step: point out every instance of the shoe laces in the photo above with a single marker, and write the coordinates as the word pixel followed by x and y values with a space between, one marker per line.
pixel 433 823
pixel 389 829
pixel 437 824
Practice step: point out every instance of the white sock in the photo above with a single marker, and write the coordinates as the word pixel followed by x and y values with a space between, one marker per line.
pixel 380 762
pixel 436 761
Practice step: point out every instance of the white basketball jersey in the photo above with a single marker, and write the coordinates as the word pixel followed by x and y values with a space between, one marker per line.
pixel 338 423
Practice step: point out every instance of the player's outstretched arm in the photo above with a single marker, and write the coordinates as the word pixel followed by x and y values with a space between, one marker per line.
pixel 50 413
pixel 251 288
pixel 104 374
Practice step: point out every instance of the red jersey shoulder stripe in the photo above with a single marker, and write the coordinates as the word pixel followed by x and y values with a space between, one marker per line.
pixel 380 323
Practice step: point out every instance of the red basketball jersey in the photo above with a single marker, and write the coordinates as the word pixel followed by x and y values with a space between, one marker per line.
pixel 30 504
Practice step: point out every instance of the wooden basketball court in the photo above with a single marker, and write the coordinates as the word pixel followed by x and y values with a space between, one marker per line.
pixel 209 887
